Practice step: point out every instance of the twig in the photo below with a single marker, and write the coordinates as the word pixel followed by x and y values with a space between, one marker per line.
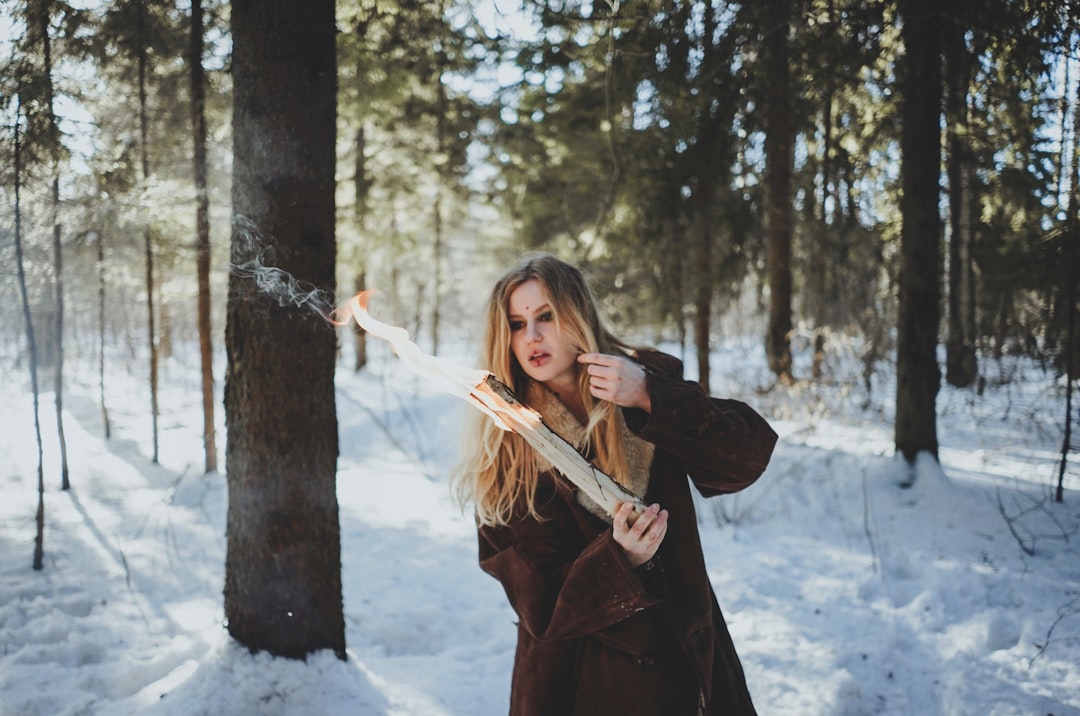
pixel 1015 523
pixel 866 521
pixel 1069 608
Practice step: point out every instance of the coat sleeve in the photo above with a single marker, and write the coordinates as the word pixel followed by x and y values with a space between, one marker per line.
pixel 724 444
pixel 561 586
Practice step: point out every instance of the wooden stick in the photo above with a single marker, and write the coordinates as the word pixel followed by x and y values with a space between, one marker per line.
pixel 495 398
pixel 500 404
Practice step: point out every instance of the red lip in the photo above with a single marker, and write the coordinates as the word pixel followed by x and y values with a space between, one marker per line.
pixel 539 358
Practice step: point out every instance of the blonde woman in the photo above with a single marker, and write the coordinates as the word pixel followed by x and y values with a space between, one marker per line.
pixel 616 615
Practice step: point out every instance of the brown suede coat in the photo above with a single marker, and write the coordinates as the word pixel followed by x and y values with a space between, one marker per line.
pixel 596 636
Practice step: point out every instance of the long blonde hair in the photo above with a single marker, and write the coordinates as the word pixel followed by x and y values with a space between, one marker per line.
pixel 499 468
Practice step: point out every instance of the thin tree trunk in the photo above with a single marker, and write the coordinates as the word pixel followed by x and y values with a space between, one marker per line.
pixel 703 295
pixel 39 537
pixel 441 170
pixel 101 333
pixel 779 140
pixel 1001 324
pixel 148 241
pixel 436 272
pixel 65 481
pixel 1063 132
pixel 821 249
pixel 44 14
pixel 960 363
pixel 283 564
pixel 1070 362
pixel 917 374
pixel 360 335
pixel 1072 235
pixel 202 233
pixel 362 186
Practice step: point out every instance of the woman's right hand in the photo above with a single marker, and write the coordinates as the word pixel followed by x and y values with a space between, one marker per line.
pixel 640 538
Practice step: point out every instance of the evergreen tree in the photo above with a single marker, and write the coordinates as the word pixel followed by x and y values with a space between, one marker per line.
pixel 917 373
pixel 283 564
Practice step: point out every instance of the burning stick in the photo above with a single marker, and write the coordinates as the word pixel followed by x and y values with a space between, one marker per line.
pixel 485 392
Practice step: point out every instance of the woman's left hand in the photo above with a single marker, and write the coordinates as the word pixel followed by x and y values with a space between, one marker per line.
pixel 639 537
pixel 616 379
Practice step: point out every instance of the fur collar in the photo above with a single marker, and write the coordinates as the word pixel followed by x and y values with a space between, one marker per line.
pixel 639 453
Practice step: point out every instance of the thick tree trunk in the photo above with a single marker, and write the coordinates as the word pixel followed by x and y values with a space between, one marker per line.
pixel 202 232
pixel 917 373
pixel 283 566
pixel 960 362
pixel 779 139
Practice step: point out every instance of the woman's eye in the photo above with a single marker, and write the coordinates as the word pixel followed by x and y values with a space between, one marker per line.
pixel 516 325
pixel 547 316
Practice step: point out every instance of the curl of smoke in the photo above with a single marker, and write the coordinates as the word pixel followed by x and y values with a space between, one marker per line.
pixel 251 253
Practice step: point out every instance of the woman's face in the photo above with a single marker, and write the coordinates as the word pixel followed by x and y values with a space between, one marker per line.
pixel 535 340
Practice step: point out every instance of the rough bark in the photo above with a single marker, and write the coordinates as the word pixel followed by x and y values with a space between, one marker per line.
pixel 283 564
pixel 202 232
pixel 917 374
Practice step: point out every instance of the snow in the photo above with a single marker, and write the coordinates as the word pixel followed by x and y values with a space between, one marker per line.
pixel 845 593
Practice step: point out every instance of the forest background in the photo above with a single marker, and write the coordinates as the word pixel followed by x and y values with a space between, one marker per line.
pixel 893 179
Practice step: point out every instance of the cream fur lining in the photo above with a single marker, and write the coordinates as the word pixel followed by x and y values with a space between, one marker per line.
pixel 639 453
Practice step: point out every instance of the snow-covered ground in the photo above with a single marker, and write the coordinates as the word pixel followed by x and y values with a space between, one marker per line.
pixel 846 593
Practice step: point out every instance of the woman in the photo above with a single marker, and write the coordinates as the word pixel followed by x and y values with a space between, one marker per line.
pixel 617 615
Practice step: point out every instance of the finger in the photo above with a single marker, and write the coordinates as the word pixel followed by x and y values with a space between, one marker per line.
pixel 603 392
pixel 602 359
pixel 645 519
pixel 600 383
pixel 659 525
pixel 655 536
pixel 598 369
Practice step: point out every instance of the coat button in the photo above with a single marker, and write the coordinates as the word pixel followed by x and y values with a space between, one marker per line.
pixel 646 662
